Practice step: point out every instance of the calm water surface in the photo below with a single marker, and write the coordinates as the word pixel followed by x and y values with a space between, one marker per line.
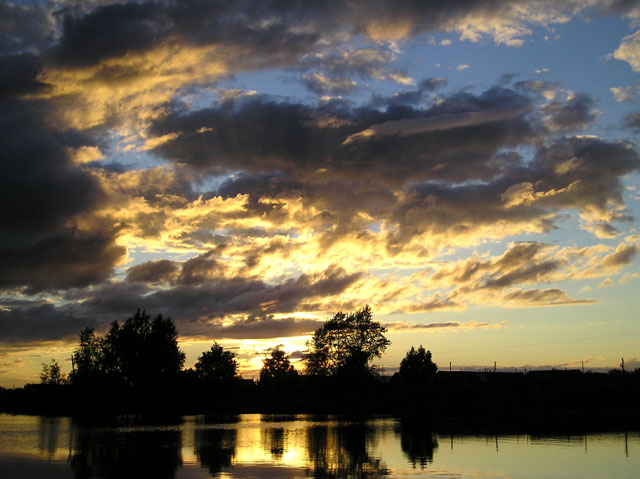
pixel 260 446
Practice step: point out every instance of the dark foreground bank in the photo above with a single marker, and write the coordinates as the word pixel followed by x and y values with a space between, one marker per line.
pixel 545 399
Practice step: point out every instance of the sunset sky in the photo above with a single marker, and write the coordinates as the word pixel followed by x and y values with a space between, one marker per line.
pixel 249 168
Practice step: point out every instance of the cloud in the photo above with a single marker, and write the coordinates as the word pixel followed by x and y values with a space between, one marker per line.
pixel 125 60
pixel 462 67
pixel 625 94
pixel 574 114
pixel 541 297
pixel 319 83
pixel 629 51
pixel 547 90
pixel 155 271
pixel 258 134
pixel 43 322
pixel 259 198
pixel 50 237
pixel 199 309
pixel 25 28
pixel 61 261
pixel 415 97
pixel 454 325
pixel 632 121
pixel 19 76
pixel 442 122
pixel 623 255
pixel 254 328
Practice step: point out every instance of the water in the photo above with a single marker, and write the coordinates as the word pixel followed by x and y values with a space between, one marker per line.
pixel 259 446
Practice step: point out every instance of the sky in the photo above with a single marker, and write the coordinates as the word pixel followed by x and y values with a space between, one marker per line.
pixel 249 168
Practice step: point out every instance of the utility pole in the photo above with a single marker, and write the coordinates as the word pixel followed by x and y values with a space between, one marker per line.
pixel 583 366
pixel 494 366
pixel 622 364
pixel 449 366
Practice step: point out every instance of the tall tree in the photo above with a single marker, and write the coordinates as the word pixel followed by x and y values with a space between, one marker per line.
pixel 138 353
pixel 88 359
pixel 143 352
pixel 346 344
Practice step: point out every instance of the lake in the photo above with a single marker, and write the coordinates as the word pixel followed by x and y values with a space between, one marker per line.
pixel 299 446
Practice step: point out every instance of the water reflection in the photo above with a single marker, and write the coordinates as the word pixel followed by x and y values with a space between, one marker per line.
pixel 343 451
pixel 273 440
pixel 215 448
pixel 299 446
pixel 121 453
pixel 48 435
pixel 417 442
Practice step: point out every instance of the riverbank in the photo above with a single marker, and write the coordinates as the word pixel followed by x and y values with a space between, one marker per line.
pixel 458 400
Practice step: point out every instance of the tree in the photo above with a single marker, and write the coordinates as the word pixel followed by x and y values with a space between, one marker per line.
pixel 87 359
pixel 277 371
pixel 51 373
pixel 138 353
pixel 417 368
pixel 217 366
pixel 345 344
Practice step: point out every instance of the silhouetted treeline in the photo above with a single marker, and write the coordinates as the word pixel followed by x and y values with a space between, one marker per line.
pixel 137 367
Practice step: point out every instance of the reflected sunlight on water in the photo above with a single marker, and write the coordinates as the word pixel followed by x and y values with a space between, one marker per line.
pixel 254 445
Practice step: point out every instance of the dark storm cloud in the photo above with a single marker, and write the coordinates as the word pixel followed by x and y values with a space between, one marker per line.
pixel 196 290
pixel 69 259
pixel 260 135
pixel 43 193
pixel 156 271
pixel 24 28
pixel 257 34
pixel 260 185
pixel 344 161
pixel 18 75
pixel 593 166
pixel 37 323
pixel 260 33
pixel 188 304
pixel 574 114
pixel 238 296
pixel 110 31
pixel 582 173
pixel 254 328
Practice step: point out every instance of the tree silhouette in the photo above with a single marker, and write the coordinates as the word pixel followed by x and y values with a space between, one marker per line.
pixel 417 368
pixel 345 344
pixel 277 371
pixel 138 353
pixel 51 373
pixel 216 366
pixel 88 359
